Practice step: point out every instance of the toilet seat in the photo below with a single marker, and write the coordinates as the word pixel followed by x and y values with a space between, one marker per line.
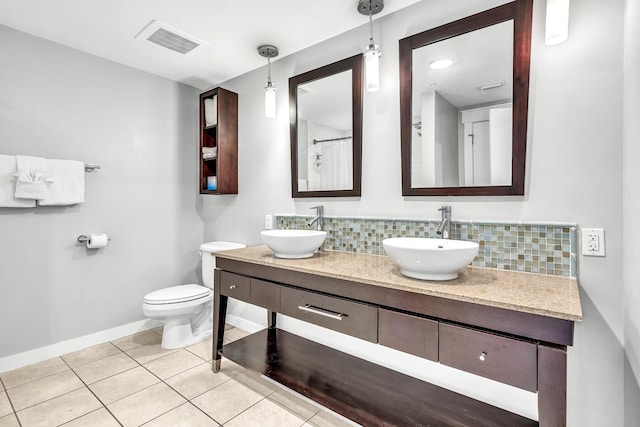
pixel 177 294
pixel 186 311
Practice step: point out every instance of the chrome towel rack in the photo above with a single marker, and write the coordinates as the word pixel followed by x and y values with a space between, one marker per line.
pixel 90 167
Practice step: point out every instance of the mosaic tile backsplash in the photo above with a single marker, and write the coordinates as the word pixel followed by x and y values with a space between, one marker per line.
pixel 534 248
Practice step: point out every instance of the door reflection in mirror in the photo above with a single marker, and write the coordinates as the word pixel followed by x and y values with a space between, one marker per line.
pixel 462 110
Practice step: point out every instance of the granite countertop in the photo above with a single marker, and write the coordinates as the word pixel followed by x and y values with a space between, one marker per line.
pixel 542 294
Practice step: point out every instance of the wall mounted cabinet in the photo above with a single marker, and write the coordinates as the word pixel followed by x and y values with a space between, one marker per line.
pixel 218 153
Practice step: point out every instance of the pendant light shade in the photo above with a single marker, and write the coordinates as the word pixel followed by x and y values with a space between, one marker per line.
pixel 372 52
pixel 372 68
pixel 557 22
pixel 270 101
pixel 269 52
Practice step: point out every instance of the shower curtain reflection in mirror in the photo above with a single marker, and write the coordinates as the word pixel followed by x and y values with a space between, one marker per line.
pixel 329 158
pixel 324 137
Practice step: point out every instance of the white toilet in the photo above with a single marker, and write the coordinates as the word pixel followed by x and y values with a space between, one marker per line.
pixel 186 310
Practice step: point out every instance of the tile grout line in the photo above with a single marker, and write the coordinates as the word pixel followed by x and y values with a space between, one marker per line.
pixel 14 413
pixel 291 411
pixel 306 419
pixel 243 411
pixel 177 392
pixel 92 361
pixel 196 396
pixel 160 380
pixel 86 386
pixel 37 379
pixel 190 351
pixel 94 395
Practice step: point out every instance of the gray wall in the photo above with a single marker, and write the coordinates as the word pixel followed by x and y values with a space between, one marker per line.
pixel 575 123
pixel 631 211
pixel 61 103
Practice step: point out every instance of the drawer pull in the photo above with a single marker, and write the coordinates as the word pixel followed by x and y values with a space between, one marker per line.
pixel 321 311
pixel 483 356
pixel 233 286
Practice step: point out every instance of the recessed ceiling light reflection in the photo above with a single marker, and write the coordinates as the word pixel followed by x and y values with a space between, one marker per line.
pixel 439 64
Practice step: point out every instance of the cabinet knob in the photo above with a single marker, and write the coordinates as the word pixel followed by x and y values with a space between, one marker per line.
pixel 483 356
pixel 233 286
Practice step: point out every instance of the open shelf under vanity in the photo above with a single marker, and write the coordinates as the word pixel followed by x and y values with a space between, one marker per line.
pixel 367 393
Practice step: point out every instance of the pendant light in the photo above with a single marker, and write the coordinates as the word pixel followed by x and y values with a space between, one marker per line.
pixel 557 22
pixel 269 52
pixel 371 53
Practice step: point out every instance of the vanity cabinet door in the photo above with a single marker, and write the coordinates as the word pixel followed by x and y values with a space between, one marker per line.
pixel 235 286
pixel 265 294
pixel 409 334
pixel 499 358
pixel 358 320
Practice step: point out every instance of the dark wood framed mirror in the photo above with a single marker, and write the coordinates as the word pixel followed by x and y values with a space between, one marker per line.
pixel 325 107
pixel 464 126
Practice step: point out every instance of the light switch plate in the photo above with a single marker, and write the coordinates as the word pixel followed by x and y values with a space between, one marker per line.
pixel 268 222
pixel 593 242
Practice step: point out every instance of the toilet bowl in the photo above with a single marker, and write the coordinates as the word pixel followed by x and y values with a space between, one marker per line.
pixel 186 310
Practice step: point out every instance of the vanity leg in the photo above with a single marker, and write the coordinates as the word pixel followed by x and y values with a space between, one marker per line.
pixel 552 386
pixel 219 316
pixel 271 319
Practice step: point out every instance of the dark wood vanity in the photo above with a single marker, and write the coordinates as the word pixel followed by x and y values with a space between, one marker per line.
pixel 510 327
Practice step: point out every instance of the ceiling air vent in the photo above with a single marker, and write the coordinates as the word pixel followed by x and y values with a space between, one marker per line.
pixel 163 35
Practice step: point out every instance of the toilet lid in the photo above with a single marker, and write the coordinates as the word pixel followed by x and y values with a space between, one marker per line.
pixel 176 294
pixel 214 247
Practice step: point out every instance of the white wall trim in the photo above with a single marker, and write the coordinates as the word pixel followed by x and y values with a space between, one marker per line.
pixel 244 324
pixel 19 360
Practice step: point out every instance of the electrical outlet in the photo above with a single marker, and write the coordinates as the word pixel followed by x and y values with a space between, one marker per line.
pixel 593 242
pixel 268 222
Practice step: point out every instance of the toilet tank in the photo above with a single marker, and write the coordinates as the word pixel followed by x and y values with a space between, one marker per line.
pixel 209 260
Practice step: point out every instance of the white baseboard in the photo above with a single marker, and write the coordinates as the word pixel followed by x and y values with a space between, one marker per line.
pixel 19 360
pixel 243 324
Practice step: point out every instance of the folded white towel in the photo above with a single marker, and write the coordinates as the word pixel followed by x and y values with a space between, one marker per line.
pixel 68 188
pixel 33 178
pixel 8 185
pixel 211 111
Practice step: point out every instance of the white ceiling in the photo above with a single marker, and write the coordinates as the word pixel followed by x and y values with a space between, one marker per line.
pixel 480 58
pixel 231 29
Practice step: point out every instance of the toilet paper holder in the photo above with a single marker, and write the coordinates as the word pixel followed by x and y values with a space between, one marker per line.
pixel 83 238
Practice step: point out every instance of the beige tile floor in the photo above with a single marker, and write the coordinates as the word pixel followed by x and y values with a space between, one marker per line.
pixel 132 381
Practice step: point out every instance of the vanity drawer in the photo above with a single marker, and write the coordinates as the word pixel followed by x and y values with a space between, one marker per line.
pixel 235 286
pixel 265 294
pixel 358 320
pixel 410 334
pixel 496 357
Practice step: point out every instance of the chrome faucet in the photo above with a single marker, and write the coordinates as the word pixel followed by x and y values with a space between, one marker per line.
pixel 444 229
pixel 318 220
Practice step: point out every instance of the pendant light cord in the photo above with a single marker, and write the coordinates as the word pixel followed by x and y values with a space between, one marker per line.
pixel 372 42
pixel 370 23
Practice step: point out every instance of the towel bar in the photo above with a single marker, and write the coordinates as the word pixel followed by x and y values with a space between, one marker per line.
pixel 90 167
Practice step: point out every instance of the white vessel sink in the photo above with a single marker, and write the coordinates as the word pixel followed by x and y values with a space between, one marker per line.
pixel 293 243
pixel 430 259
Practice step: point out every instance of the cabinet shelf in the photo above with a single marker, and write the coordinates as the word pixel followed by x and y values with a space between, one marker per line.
pixel 369 394
pixel 224 136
